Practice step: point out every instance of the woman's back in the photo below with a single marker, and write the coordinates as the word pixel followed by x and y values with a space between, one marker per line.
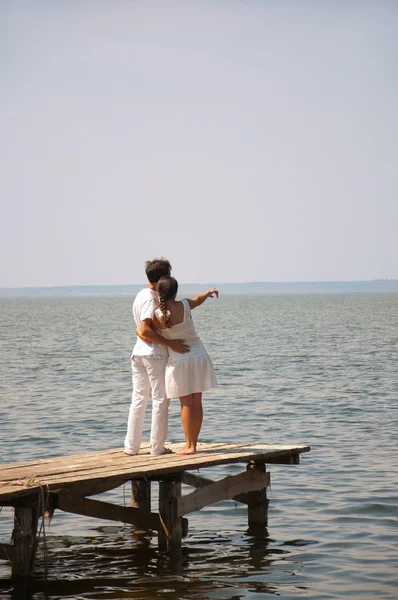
pixel 184 330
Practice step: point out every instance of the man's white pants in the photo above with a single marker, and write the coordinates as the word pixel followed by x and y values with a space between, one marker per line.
pixel 148 377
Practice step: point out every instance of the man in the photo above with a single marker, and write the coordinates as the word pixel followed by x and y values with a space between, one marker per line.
pixel 148 365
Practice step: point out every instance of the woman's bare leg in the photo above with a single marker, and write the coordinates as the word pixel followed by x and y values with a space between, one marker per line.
pixel 188 423
pixel 198 415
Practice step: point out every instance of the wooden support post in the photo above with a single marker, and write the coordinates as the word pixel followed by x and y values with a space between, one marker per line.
pixel 141 494
pixel 170 533
pixel 26 516
pixel 257 502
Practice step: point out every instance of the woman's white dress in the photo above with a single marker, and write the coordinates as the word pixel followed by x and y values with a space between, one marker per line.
pixel 191 372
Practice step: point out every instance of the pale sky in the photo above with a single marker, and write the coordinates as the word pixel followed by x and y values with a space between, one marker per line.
pixel 245 140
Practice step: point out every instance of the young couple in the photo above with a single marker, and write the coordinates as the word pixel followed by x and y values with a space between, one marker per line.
pixel 168 361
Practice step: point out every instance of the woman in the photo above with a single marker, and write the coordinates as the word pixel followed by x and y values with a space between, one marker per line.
pixel 190 374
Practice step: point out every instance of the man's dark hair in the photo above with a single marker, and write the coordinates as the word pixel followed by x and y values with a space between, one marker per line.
pixel 157 268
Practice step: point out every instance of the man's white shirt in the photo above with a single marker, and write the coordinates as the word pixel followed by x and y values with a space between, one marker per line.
pixel 145 304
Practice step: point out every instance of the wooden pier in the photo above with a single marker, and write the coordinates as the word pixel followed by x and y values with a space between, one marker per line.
pixel 66 482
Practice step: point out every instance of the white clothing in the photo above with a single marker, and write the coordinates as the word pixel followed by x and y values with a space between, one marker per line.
pixel 148 363
pixel 191 372
pixel 148 376
pixel 145 304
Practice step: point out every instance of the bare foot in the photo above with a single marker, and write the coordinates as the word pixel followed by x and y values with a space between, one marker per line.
pixel 187 450
pixel 128 453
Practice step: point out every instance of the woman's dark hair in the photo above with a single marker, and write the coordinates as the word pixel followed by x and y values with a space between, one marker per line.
pixel 157 268
pixel 167 288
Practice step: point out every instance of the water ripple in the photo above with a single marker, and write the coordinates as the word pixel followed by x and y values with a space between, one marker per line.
pixel 320 370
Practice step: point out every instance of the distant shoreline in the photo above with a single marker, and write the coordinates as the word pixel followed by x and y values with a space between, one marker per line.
pixel 306 287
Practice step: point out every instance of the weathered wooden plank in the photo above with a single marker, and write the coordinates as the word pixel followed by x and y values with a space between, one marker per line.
pixel 73 457
pixel 92 461
pixel 121 461
pixel 163 464
pixel 74 476
pixel 195 480
pixel 92 487
pixel 170 533
pixel 225 489
pixel 7 552
pixel 89 487
pixel 199 482
pixel 152 465
pixel 146 466
pixel 95 487
pixel 64 467
pixel 111 476
pixel 89 462
pixel 110 512
pixel 102 455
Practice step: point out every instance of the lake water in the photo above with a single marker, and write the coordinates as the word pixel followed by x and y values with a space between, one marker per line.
pixel 307 369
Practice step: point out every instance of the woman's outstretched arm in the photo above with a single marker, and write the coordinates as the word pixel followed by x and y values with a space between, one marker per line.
pixel 198 300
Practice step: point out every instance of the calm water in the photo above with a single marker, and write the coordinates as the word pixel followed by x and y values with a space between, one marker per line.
pixel 318 370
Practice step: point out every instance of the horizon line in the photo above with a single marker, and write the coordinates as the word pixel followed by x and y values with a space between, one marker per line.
pixel 144 284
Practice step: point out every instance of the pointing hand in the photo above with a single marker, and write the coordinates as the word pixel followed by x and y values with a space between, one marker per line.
pixel 212 293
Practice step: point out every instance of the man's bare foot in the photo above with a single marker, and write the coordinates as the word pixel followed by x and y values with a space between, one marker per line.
pixel 128 453
pixel 187 450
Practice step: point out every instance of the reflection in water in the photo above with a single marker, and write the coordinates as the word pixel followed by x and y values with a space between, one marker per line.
pixel 125 563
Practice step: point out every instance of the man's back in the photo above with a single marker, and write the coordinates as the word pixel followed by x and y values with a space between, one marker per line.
pixel 145 304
